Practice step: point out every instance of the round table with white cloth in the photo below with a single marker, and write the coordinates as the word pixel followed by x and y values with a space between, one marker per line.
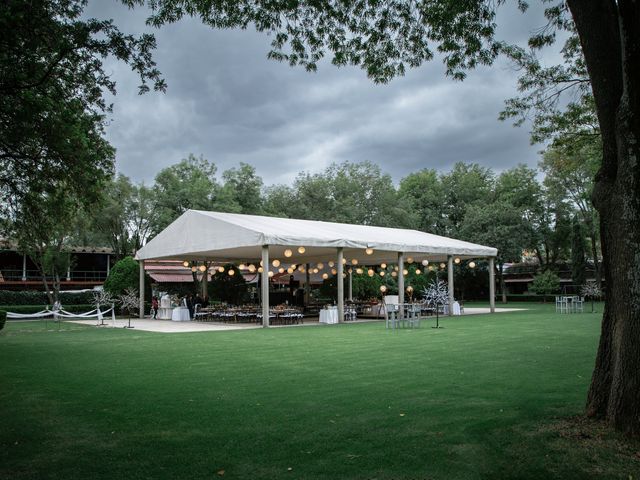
pixel 180 314
pixel 329 315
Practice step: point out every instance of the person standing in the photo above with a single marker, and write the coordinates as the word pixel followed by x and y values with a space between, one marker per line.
pixel 154 306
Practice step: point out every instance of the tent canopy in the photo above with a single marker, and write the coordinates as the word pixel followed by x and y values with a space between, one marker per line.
pixel 198 235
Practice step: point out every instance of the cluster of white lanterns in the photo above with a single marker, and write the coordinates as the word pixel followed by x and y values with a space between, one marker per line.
pixel 288 253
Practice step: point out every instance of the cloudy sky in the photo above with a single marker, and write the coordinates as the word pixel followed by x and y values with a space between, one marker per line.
pixel 227 102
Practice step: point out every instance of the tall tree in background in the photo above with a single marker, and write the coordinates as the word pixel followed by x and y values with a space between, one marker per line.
pixel 386 37
pixel 189 184
pixel 245 187
pixel 578 260
pixel 423 191
pixel 570 165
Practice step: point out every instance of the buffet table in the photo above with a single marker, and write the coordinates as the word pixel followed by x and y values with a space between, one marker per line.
pixel 329 315
pixel 180 314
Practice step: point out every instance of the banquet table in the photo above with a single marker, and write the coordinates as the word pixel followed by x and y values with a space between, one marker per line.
pixel 329 315
pixel 180 314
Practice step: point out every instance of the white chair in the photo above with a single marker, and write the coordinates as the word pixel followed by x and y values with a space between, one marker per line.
pixel 391 315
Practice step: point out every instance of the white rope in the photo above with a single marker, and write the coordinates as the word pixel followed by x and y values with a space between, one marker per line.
pixel 57 314
pixel 65 314
pixel 42 313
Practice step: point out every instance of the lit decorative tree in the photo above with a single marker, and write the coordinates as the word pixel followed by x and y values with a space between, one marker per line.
pixel 592 290
pixel 101 297
pixel 436 295
pixel 129 302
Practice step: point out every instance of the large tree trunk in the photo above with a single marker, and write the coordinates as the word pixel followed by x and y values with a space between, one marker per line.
pixel 609 35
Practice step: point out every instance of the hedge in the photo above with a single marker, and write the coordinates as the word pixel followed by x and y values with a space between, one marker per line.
pixel 31 297
pixel 3 318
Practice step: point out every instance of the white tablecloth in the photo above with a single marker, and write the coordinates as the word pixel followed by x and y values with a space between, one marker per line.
pixel 329 315
pixel 180 314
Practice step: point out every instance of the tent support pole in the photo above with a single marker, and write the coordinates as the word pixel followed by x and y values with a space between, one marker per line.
pixel 401 284
pixel 265 286
pixel 351 285
pixel 492 285
pixel 450 281
pixel 307 286
pixel 141 294
pixel 340 282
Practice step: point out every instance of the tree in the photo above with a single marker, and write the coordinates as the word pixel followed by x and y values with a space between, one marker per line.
pixel 245 187
pixel 467 184
pixel 43 227
pixel 52 85
pixel 578 260
pixel 423 190
pixel 570 166
pixel 189 184
pixel 385 38
pixel 545 283
pixel 500 225
pixel 122 276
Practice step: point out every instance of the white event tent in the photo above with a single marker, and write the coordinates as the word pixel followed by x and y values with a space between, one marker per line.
pixel 229 237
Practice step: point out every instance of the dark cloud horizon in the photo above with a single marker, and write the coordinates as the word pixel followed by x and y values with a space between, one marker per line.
pixel 227 102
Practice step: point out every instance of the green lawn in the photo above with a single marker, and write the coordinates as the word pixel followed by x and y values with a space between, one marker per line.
pixel 486 397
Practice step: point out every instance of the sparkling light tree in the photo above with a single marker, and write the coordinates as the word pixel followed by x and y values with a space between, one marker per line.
pixel 436 294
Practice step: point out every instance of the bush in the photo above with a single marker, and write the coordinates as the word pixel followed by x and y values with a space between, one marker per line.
pixel 546 283
pixel 126 274
pixel 3 318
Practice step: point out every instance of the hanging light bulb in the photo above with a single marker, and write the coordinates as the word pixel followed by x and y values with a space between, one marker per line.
pixel 320 266
pixel 281 270
pixel 270 274
pixel 418 272
pixel 325 275
pixel 276 263
pixel 301 250
pixel 231 272
pixel 394 274
pixel 261 263
pixel 383 288
pixel 409 259
pixel 315 270
pixel 472 264
pixel 370 272
pixel 354 261
pixel 289 270
pixel 294 266
pixel 260 269
pixel 344 275
pixel 221 269
pixel 396 268
pixel 456 260
pixel 331 264
pixel 382 273
pixel 425 262
pixel 442 265
pixel 431 268
pixel 288 252
pixel 334 271
pixel 344 261
pixel 185 263
pixel 193 269
pixel 202 268
pixel 359 271
pixel 410 289
pixel 242 266
pixel 252 268
pixel 383 265
pixel 368 251
pixel 302 270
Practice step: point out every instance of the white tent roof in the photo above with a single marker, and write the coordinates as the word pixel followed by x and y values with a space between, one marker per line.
pixel 197 235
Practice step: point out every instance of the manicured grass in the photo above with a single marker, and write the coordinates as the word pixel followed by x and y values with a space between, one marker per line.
pixel 485 397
